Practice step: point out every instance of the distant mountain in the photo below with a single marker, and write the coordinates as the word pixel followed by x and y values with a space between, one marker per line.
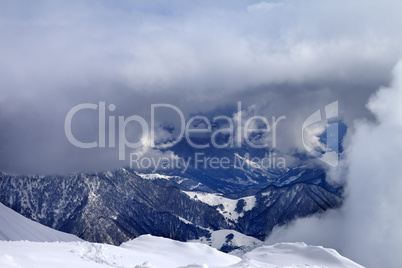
pixel 116 206
pixel 182 202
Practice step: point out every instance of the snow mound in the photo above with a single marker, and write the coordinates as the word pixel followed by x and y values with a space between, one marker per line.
pixel 144 252
pixel 295 255
pixel 174 253
pixel 14 227
pixel 146 264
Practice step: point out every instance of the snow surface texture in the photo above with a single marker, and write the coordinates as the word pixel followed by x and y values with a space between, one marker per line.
pixel 149 251
pixel 144 252
pixel 14 226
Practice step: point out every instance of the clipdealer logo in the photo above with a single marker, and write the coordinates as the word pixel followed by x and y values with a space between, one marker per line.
pixel 238 130
pixel 329 154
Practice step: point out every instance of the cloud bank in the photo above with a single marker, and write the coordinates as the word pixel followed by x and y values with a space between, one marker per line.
pixel 368 226
pixel 285 57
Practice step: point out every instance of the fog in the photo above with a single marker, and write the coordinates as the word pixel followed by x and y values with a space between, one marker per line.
pixel 367 228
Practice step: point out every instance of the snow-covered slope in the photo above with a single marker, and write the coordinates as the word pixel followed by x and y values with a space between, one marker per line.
pixel 144 251
pixel 14 226
pixel 148 251
pixel 225 206
pixel 164 252
pixel 295 255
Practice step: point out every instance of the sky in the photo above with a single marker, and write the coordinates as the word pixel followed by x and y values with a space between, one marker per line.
pixel 283 58
pixel 278 58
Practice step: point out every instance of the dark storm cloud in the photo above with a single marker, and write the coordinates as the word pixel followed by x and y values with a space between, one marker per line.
pixel 290 58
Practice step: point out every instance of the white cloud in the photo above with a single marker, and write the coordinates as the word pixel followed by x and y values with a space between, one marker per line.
pixel 368 226
pixel 263 6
